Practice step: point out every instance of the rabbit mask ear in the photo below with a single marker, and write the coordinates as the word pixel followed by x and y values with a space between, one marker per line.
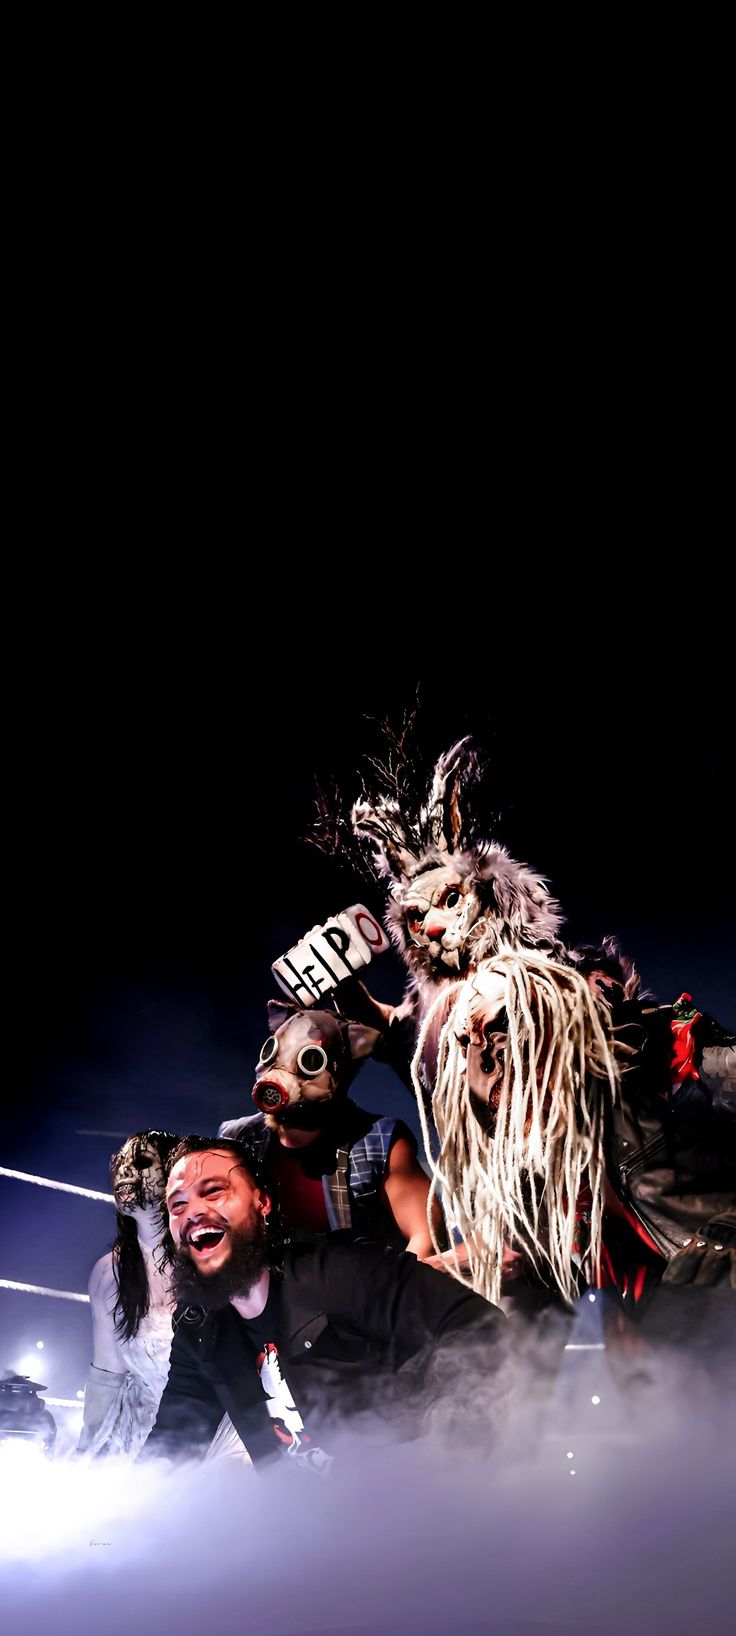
pixel 402 833
pixel 441 820
pixel 384 825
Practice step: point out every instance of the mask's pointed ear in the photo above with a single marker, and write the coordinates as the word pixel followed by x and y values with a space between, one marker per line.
pixel 362 1041
pixel 279 1012
pixel 386 827
pixel 442 820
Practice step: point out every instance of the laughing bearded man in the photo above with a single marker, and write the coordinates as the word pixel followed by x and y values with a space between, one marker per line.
pixel 257 1321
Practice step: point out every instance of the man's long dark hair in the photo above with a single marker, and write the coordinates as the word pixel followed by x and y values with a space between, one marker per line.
pixel 134 1296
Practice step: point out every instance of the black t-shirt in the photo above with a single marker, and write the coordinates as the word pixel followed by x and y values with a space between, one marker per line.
pixel 338 1312
pixel 282 1429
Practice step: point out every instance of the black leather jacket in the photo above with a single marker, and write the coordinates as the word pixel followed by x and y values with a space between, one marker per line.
pixel 334 1310
pixel 672 1147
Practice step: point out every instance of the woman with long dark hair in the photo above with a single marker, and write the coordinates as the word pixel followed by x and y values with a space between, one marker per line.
pixel 131 1304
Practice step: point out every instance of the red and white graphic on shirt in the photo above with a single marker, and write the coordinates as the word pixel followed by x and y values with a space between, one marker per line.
pixel 285 1417
pixel 287 1421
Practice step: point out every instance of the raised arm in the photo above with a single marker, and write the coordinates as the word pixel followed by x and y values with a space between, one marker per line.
pixel 405 1190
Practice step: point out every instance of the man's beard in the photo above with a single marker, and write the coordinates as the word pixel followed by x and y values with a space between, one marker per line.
pixel 247 1260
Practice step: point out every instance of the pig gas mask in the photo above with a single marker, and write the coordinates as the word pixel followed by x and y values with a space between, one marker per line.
pixel 306 1065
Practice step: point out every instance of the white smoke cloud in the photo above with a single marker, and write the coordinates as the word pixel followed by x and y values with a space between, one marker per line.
pixel 579 1516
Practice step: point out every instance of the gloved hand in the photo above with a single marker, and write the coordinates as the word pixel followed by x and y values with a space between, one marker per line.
pixel 707 1258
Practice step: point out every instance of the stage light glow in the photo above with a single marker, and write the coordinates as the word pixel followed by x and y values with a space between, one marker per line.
pixel 39 1346
pixel 595 1398
pixel 28 1366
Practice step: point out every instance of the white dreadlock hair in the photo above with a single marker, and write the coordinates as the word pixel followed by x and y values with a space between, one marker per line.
pixel 523 1182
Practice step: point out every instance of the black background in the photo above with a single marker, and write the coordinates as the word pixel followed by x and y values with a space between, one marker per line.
pixel 164 790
